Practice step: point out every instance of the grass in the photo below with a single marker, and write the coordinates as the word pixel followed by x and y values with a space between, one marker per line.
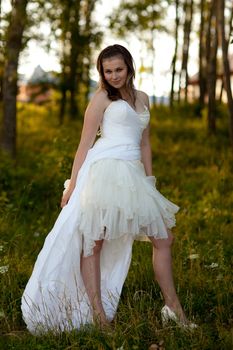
pixel 193 170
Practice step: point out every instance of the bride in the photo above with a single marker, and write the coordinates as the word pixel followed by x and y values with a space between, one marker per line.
pixel 110 200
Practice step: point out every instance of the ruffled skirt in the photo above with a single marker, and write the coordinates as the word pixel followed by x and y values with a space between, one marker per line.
pixel 119 199
pixel 113 199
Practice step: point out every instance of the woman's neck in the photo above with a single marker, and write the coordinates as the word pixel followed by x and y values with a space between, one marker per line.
pixel 128 96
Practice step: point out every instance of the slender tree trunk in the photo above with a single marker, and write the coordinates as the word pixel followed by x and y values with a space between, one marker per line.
pixel 64 57
pixel 212 67
pixel 73 85
pixel 221 90
pixel 153 66
pixel 1 84
pixel 177 21
pixel 221 24
pixel 188 10
pixel 202 63
pixel 1 56
pixel 62 105
pixel 86 78
pixel 63 84
pixel 13 48
pixel 228 42
pixel 74 52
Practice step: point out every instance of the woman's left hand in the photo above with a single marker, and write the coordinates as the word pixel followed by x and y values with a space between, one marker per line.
pixel 66 196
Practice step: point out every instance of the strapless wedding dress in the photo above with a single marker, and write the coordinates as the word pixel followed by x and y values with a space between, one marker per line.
pixel 113 200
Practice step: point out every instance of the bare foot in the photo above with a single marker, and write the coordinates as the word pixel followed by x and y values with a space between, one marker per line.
pixel 101 321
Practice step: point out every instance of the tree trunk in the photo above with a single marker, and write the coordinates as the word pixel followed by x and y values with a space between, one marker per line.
pixel 64 19
pixel 62 105
pixel 13 48
pixel 228 42
pixel 1 87
pixel 153 66
pixel 177 21
pixel 183 79
pixel 221 24
pixel 1 57
pixel 202 63
pixel 88 27
pixel 74 51
pixel 212 67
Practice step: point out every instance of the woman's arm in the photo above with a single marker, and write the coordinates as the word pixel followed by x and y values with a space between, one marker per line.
pixel 146 154
pixel 92 120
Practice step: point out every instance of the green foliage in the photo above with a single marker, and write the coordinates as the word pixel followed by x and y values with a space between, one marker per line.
pixel 192 170
pixel 137 16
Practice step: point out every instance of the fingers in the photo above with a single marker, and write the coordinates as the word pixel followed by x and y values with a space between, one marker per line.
pixel 65 198
pixel 64 201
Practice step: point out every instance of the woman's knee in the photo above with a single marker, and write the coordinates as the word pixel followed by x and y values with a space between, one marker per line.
pixel 163 243
pixel 98 246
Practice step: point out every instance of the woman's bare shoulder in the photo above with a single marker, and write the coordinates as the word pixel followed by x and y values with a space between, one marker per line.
pixel 142 96
pixel 100 96
pixel 98 102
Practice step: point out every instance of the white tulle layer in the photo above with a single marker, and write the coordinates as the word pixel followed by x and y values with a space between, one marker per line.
pixel 119 199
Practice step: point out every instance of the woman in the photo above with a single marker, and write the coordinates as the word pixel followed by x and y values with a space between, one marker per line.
pixel 109 201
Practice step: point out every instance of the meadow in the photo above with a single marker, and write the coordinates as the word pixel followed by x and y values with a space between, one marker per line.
pixel 193 170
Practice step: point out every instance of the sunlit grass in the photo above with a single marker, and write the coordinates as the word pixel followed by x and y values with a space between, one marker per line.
pixel 193 170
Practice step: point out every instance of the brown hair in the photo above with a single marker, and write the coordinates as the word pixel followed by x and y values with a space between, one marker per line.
pixel 109 52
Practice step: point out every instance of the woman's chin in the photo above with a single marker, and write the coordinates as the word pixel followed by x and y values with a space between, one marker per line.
pixel 118 85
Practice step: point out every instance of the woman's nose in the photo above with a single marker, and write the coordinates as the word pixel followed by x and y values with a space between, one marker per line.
pixel 114 75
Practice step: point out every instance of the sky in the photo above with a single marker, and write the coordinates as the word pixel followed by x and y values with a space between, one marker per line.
pixel 164 44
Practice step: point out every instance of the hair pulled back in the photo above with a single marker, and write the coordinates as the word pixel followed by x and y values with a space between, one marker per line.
pixel 117 51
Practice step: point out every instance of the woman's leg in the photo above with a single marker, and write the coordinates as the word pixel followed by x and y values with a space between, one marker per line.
pixel 90 269
pixel 162 264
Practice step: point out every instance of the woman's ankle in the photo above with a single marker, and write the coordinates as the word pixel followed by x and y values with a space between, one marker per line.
pixel 99 313
pixel 100 319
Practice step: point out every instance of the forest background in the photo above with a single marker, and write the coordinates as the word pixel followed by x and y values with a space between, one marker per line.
pixel 192 143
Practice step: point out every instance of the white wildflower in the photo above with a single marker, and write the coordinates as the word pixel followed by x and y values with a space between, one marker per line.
pixel 212 266
pixel 193 256
pixel 4 269
pixel 1 248
pixel 36 234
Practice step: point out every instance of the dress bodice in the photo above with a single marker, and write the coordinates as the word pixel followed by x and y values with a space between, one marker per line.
pixel 122 124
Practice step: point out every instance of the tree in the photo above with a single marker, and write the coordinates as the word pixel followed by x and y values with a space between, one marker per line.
pixel 202 53
pixel 78 34
pixel 15 31
pixel 92 38
pixel 221 25
pixel 188 11
pixel 174 59
pixel 230 25
pixel 211 57
pixel 1 54
pixel 137 17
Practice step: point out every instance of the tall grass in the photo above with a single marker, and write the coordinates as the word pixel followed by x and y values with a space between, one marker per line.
pixel 193 170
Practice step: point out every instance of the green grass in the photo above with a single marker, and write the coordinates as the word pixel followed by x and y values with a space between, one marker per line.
pixel 193 170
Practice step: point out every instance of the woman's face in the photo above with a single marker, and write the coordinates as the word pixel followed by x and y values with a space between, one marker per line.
pixel 115 71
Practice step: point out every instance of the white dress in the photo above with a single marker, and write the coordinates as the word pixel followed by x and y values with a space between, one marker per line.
pixel 113 200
